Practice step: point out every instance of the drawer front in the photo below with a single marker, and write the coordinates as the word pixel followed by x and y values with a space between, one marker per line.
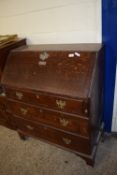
pixel 48 101
pixel 6 120
pixel 3 117
pixel 53 136
pixel 62 121
pixel 2 101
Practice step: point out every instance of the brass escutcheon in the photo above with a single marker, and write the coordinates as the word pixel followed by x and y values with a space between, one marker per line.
pixel 41 111
pixel 61 104
pixel 23 111
pixel 19 95
pixel 64 122
pixel 66 141
pixel 37 96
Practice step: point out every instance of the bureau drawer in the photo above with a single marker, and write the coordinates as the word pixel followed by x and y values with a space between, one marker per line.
pixel 53 136
pixel 49 101
pixel 71 123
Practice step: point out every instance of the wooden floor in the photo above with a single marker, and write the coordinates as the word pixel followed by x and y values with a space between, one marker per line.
pixel 33 157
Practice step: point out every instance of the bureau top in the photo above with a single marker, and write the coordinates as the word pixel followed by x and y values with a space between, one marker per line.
pixel 92 47
pixel 57 69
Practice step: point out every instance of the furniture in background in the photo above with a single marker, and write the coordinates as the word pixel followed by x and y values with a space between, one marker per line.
pixel 7 43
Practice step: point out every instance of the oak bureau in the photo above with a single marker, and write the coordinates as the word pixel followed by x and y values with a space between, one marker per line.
pixel 55 93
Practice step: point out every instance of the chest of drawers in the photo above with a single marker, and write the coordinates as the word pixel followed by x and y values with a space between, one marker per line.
pixel 54 93
pixel 4 51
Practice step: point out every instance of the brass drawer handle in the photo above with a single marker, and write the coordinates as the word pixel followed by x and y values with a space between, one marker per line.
pixel 61 104
pixel 30 127
pixel 66 141
pixel 23 111
pixel 19 95
pixel 64 122
pixel 2 94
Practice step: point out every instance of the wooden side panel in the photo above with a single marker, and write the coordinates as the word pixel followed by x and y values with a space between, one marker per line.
pixel 96 96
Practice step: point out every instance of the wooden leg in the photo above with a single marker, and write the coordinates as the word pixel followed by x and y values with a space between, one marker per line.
pixel 88 159
pixel 22 136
